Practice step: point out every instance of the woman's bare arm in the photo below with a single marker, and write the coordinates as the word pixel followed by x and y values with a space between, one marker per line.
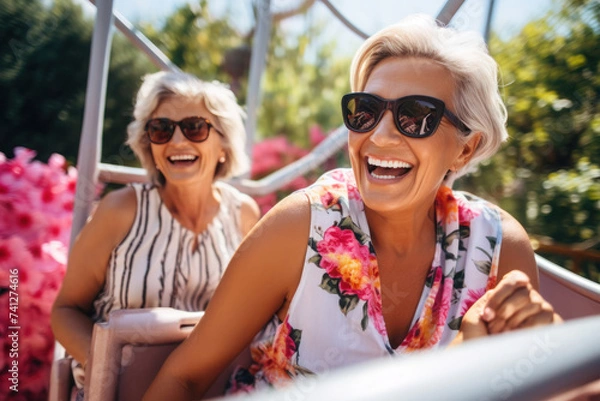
pixel 259 282
pixel 86 271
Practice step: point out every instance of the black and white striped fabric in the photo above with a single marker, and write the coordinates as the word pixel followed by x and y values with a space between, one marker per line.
pixel 161 263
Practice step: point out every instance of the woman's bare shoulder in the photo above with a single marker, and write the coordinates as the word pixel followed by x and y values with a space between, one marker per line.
pixel 516 252
pixel 250 213
pixel 122 200
pixel 114 215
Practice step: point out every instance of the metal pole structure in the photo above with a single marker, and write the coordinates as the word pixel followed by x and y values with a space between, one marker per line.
pixel 449 10
pixel 156 56
pixel 258 60
pixel 488 22
pixel 343 19
pixel 91 133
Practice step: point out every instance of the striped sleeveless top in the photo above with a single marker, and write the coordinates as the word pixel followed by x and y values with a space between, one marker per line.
pixel 160 262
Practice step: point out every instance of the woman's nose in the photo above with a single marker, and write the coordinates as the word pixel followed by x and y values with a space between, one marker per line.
pixel 386 133
pixel 178 135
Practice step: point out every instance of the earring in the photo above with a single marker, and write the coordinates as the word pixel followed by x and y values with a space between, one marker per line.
pixel 222 159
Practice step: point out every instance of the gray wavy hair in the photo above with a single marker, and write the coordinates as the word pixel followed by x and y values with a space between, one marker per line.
pixel 477 99
pixel 218 100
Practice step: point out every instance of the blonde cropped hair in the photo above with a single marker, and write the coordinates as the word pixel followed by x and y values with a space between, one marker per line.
pixel 218 100
pixel 477 100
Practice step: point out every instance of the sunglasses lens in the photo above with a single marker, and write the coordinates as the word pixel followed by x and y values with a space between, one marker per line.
pixel 195 128
pixel 160 130
pixel 361 112
pixel 417 118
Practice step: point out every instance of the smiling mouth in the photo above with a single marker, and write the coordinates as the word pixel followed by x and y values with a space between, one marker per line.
pixel 182 159
pixel 387 169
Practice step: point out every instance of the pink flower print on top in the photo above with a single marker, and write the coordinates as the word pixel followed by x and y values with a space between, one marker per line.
pixel 472 297
pixel 345 258
pixel 347 181
pixel 351 272
pixel 466 212
pixel 428 329
pixel 329 200
pixel 446 205
pixel 275 358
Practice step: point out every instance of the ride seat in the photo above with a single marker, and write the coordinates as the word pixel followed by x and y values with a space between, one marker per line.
pixel 127 353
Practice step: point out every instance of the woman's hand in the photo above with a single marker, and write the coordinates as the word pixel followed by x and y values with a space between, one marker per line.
pixel 513 304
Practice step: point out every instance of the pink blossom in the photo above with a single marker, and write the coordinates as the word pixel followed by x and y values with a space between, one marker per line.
pixel 57 161
pixel 269 156
pixel 340 175
pixel 13 254
pixel 316 135
pixel 266 202
pixel 36 203
pixel 328 200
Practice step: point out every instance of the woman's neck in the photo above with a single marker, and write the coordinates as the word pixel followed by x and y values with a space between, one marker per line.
pixel 193 205
pixel 403 233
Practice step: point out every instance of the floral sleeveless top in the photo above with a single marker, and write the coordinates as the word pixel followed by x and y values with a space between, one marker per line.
pixel 335 318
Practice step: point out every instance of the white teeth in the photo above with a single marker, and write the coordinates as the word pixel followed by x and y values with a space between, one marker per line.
pixel 388 163
pixel 383 177
pixel 181 157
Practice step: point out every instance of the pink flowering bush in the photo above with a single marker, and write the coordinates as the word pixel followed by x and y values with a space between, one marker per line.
pixel 274 153
pixel 36 205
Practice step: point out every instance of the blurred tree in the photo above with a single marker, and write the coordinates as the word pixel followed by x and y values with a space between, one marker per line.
pixel 127 67
pixel 43 76
pixel 298 90
pixel 545 176
pixel 197 42
pixel 301 89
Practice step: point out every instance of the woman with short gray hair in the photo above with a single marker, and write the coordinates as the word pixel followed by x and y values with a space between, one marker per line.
pixel 167 242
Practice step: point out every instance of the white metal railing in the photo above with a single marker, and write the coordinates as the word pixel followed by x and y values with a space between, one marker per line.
pixel 90 143
pixel 274 181
pixel 156 56
pixel 574 282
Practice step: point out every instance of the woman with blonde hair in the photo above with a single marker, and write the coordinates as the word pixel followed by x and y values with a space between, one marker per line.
pixel 382 259
pixel 167 242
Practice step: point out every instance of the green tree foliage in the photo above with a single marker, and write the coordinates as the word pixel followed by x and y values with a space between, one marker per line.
pixel 44 67
pixel 196 41
pixel 127 66
pixel 546 175
pixel 43 76
pixel 298 90
pixel 301 90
